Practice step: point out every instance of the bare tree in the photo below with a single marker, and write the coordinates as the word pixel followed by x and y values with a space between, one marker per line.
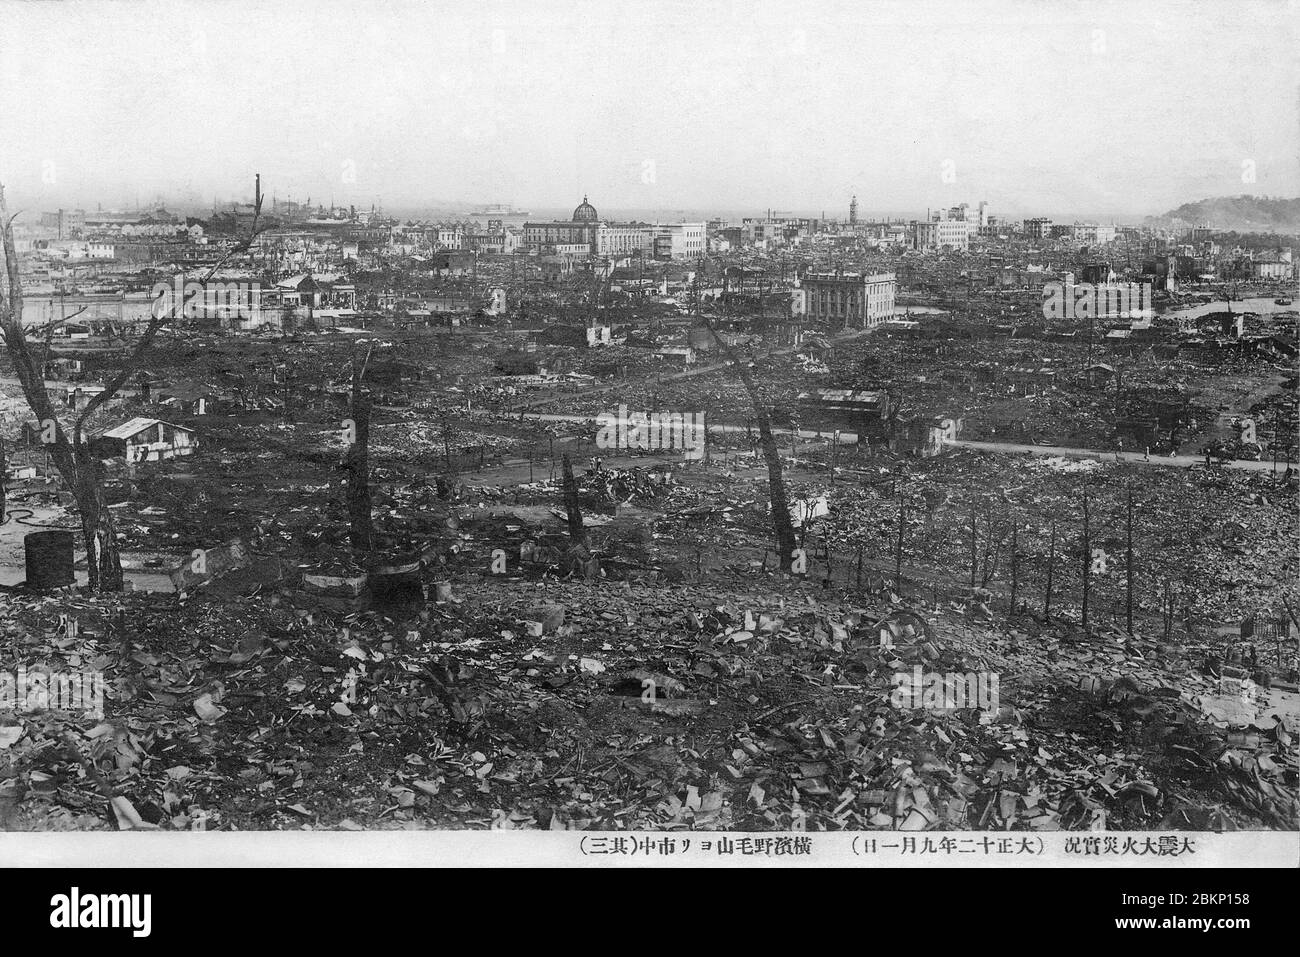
pixel 782 527
pixel 68 447
pixel 994 539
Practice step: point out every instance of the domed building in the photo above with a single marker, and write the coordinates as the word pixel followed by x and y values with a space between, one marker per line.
pixel 586 235
pixel 566 236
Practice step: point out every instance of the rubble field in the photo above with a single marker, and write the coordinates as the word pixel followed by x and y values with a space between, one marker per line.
pixel 750 702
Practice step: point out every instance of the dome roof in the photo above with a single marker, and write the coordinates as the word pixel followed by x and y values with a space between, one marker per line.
pixel 586 213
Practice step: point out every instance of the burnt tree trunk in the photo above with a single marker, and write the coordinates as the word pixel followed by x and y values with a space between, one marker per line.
pixel 782 527
pixel 103 562
pixel 577 531
pixel 357 466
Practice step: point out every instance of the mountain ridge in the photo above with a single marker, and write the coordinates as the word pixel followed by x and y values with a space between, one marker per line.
pixel 1242 213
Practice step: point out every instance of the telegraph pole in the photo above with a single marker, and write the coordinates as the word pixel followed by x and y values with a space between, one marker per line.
pixel 1051 568
pixel 1277 436
pixel 972 546
pixel 898 547
pixel 1015 563
pixel 1128 565
pixel 1087 559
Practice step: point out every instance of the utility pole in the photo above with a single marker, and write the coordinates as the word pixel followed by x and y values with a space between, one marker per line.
pixel 1087 559
pixel 972 546
pixel 1128 565
pixel 1015 563
pixel 1277 436
pixel 1051 568
pixel 898 547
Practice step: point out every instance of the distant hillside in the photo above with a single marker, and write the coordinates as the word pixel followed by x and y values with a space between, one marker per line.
pixel 1239 213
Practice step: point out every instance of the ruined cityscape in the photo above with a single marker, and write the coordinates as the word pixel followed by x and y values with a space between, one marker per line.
pixel 344 515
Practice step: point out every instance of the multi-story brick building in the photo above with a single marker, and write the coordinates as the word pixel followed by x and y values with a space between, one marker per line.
pixel 936 234
pixel 853 299
pixel 1038 228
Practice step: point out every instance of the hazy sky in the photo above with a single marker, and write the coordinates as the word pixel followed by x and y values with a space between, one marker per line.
pixel 1055 107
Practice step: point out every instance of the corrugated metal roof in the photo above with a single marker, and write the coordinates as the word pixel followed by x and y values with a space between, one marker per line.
pixel 137 425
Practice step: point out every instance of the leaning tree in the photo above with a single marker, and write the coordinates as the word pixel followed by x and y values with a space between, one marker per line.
pixel 782 526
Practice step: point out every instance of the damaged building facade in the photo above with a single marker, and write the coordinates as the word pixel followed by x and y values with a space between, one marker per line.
pixel 848 299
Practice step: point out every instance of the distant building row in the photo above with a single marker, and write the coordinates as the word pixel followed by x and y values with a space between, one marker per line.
pixel 586 234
